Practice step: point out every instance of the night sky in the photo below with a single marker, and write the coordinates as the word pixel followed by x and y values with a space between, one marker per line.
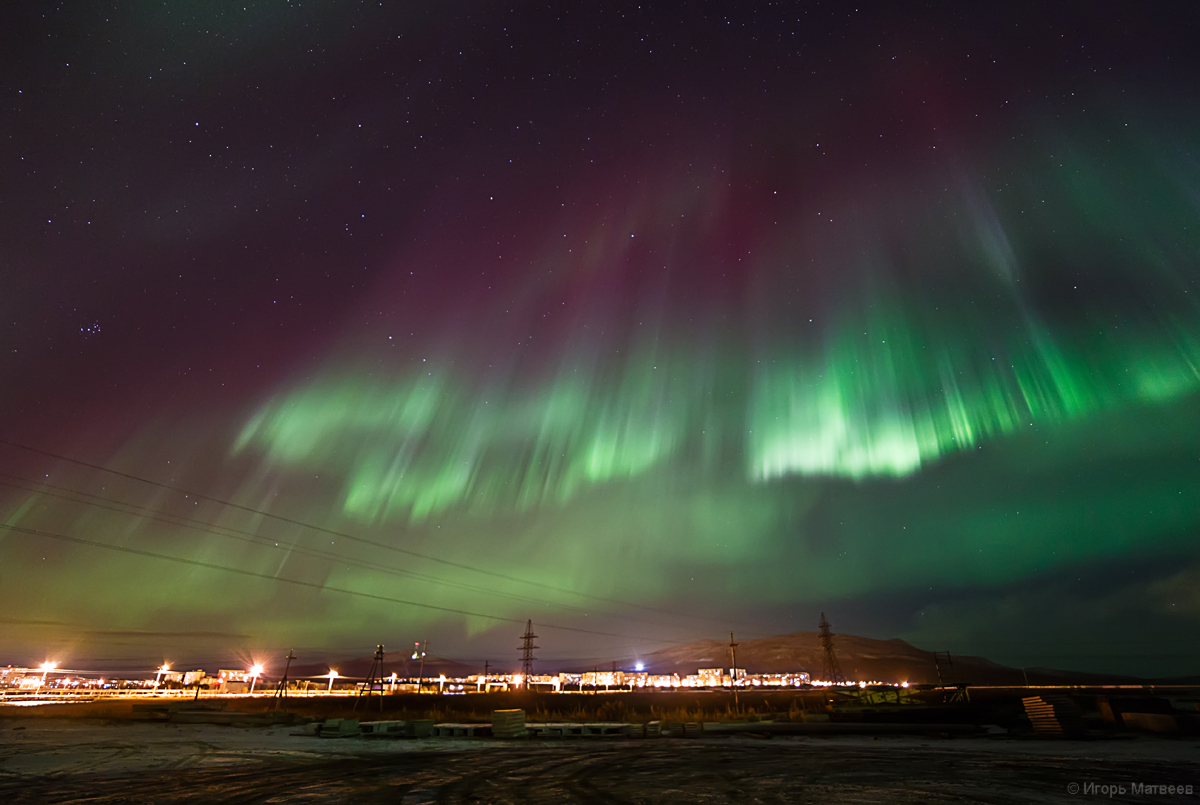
pixel 647 323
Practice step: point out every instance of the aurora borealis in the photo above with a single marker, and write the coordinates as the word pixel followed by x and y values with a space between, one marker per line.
pixel 645 323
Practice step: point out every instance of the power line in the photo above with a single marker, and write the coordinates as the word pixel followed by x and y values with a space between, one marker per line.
pixel 312 585
pixel 246 536
pixel 343 535
pixel 180 521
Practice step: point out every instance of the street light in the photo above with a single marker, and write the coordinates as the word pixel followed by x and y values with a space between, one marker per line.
pixel 255 672
pixel 162 669
pixel 332 676
pixel 46 668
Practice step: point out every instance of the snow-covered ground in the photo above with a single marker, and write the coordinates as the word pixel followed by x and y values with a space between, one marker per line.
pixel 68 760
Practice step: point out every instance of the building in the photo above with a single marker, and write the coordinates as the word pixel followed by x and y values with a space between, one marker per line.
pixel 663 681
pixel 789 680
pixel 604 679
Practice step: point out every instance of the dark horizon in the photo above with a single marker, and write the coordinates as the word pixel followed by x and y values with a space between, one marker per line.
pixel 863 659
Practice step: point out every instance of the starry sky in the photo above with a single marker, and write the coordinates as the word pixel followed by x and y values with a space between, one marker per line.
pixel 325 324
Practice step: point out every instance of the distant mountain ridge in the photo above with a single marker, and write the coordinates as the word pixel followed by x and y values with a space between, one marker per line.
pixel 860 658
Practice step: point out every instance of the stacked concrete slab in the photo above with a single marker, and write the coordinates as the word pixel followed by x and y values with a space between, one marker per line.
pixel 461 730
pixel 1053 714
pixel 421 728
pixel 340 728
pixel 1148 713
pixel 683 729
pixel 508 723
pixel 1151 722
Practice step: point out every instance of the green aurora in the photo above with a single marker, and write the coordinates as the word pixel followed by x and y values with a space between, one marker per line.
pixel 890 384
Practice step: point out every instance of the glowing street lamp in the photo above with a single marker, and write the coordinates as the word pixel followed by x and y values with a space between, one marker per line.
pixel 162 669
pixel 332 676
pixel 255 672
pixel 46 668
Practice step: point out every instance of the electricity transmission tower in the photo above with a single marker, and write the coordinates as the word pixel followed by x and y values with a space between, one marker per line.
pixel 527 648
pixel 829 664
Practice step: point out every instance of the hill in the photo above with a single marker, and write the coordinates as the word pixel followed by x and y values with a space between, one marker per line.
pixel 860 658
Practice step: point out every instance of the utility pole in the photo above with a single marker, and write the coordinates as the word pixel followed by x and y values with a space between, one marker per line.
pixel 527 648
pixel 419 654
pixel 376 674
pixel 829 666
pixel 733 671
pixel 281 690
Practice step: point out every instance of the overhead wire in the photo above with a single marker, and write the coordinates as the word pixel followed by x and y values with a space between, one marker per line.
pixel 351 537
pixel 181 521
pixel 314 585
pixel 257 539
